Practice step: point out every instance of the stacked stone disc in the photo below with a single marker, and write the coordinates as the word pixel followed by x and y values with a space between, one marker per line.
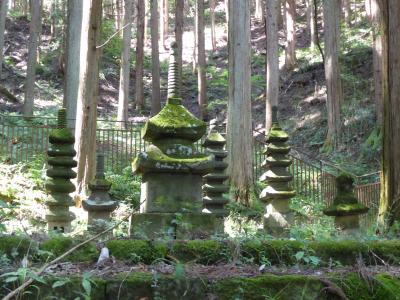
pixel 214 187
pixel 277 177
pixel 61 161
pixel 99 204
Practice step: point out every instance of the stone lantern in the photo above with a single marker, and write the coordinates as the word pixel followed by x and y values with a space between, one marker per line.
pixel 278 192
pixel 345 208
pixel 172 171
pixel 99 204
pixel 61 161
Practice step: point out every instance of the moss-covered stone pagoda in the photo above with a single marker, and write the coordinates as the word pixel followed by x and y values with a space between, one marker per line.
pixel 99 204
pixel 345 208
pixel 172 170
pixel 214 187
pixel 61 161
pixel 278 192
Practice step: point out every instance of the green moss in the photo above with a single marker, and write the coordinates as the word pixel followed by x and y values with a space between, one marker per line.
pixel 61 136
pixel 59 185
pixel 61 172
pixel 62 150
pixel 62 161
pixel 136 250
pixel 16 246
pixel 346 252
pixel 201 251
pixel 276 134
pixel 387 287
pixel 346 209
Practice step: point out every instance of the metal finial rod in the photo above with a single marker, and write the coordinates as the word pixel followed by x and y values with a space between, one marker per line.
pixel 62 118
pixel 174 80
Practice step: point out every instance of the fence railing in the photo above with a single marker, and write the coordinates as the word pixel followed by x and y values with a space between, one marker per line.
pixel 21 139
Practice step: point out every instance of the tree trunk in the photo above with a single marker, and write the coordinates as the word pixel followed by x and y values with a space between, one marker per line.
pixel 347 12
pixel 146 21
pixel 332 71
pixel 73 51
pixel 88 93
pixel 280 16
pixel 226 2
pixel 290 49
pixel 164 22
pixel 123 95
pixel 272 60
pixel 195 37
pixel 179 6
pixel 259 13
pixel 155 60
pixel 118 14
pixel 380 62
pixel 201 68
pixel 3 16
pixel 368 12
pixel 213 35
pixel 27 109
pixel 239 131
pixel 311 23
pixel 140 55
pixel 389 206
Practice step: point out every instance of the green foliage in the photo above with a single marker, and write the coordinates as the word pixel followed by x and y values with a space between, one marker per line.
pixel 114 47
pixel 125 187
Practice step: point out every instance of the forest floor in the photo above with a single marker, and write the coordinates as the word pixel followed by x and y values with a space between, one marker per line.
pixel 302 103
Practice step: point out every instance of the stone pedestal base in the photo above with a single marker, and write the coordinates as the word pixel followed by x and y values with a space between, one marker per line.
pixel 347 222
pixel 175 226
pixel 278 218
pixel 63 227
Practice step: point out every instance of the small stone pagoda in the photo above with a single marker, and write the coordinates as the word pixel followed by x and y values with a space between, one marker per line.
pixel 172 171
pixel 99 204
pixel 214 187
pixel 278 192
pixel 345 208
pixel 61 161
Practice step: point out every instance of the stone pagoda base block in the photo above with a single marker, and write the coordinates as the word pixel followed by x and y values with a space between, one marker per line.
pixel 350 222
pixel 175 226
pixel 277 221
pixel 166 192
pixel 60 227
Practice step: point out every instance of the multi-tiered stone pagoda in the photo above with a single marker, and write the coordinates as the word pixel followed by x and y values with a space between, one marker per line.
pixel 278 192
pixel 99 204
pixel 215 187
pixel 172 171
pixel 61 161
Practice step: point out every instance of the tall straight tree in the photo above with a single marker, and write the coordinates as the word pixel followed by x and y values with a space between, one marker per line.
pixel 201 60
pixel 272 60
pixel 259 10
pixel 88 93
pixel 73 50
pixel 33 44
pixel 290 49
pixel 123 95
pixel 179 7
pixel 379 56
pixel 332 71
pixel 164 21
pixel 140 55
pixel 311 24
pixel 347 12
pixel 213 33
pixel 239 131
pixel 3 16
pixel 389 206
pixel 155 59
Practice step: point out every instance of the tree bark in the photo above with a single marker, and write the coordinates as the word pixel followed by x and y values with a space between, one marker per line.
pixel 290 49
pixel 347 12
pixel 201 68
pixel 259 13
pixel 380 62
pixel 27 108
pixel 213 34
pixel 3 16
pixel 272 60
pixel 332 71
pixel 195 37
pixel 164 22
pixel 179 7
pixel 73 50
pixel 140 55
pixel 123 95
pixel 88 93
pixel 311 23
pixel 389 206
pixel 239 131
pixel 118 14
pixel 155 60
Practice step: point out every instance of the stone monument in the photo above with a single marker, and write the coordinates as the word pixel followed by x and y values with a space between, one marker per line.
pixel 214 187
pixel 99 204
pixel 345 208
pixel 278 192
pixel 61 161
pixel 172 171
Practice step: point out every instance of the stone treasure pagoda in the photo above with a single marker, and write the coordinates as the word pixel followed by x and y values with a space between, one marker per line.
pixel 172 171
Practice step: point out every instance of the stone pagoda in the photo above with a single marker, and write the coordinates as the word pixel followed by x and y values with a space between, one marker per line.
pixel 61 161
pixel 172 171
pixel 214 187
pixel 345 208
pixel 278 192
pixel 99 204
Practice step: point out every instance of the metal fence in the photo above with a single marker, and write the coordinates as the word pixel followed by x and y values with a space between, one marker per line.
pixel 23 138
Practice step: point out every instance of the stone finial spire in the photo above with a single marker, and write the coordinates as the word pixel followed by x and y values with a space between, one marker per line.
pixel 274 114
pixel 62 118
pixel 174 80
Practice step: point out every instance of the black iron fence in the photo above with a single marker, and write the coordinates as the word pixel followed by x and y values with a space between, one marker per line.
pixel 23 138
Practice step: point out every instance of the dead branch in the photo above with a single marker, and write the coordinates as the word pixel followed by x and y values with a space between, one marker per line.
pixel 6 93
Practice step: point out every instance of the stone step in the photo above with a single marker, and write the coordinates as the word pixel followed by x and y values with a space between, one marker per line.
pixel 270 193
pixel 216 176
pixel 276 176
pixel 217 200
pixel 218 188
pixel 281 148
